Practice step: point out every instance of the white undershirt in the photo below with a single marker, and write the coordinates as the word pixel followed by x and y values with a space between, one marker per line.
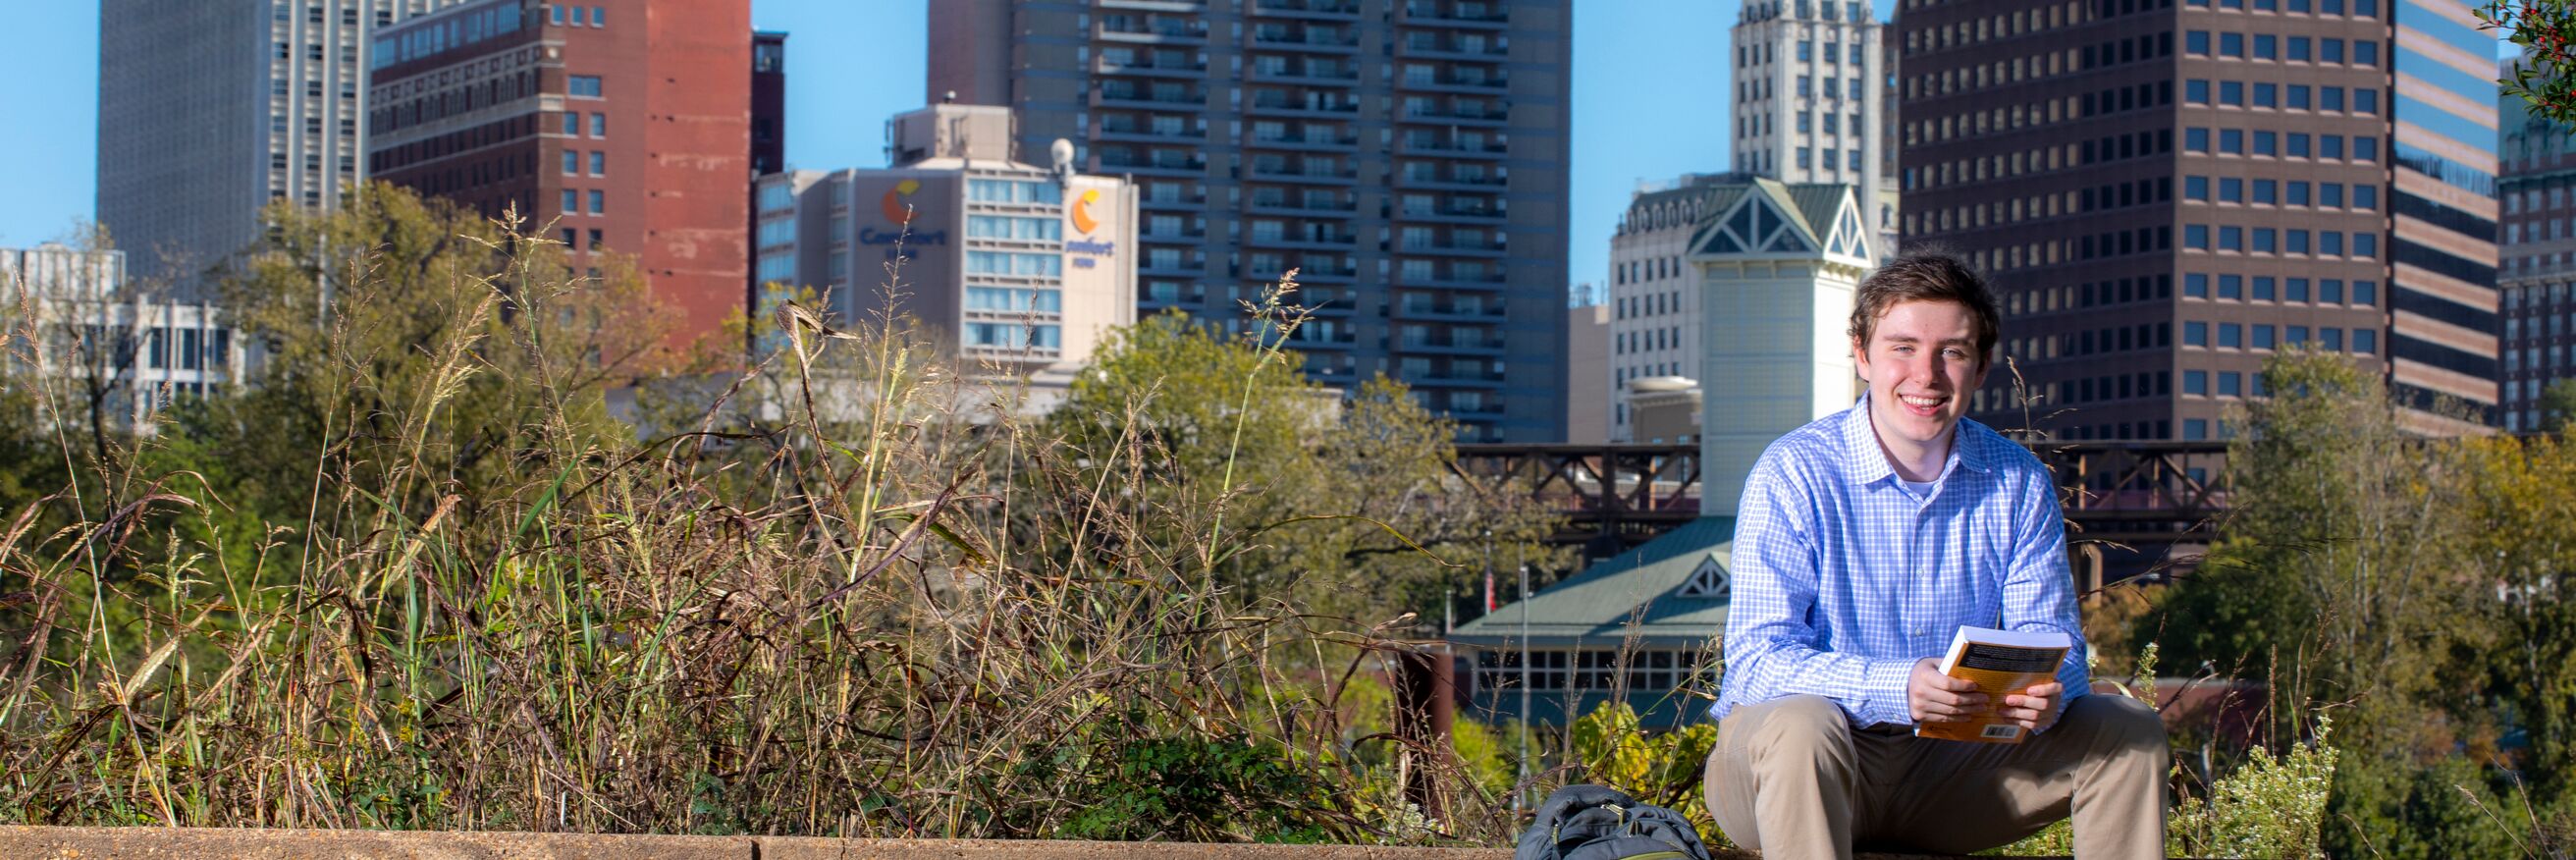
pixel 1917 489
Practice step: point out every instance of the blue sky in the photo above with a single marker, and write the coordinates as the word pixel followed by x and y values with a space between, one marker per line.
pixel 1650 102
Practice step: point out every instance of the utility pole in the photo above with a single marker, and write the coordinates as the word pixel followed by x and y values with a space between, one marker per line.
pixel 1520 787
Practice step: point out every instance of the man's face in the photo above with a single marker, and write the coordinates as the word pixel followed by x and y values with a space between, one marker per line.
pixel 1921 362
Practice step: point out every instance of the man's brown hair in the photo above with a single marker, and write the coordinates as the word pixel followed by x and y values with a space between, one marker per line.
pixel 1926 277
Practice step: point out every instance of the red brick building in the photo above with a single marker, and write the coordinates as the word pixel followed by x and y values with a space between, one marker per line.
pixel 623 124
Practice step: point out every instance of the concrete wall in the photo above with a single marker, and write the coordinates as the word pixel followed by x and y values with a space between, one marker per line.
pixel 115 843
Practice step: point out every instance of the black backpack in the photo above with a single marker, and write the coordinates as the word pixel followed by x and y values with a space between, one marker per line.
pixel 1589 822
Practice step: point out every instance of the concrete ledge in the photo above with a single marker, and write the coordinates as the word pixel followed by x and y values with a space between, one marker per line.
pixel 187 843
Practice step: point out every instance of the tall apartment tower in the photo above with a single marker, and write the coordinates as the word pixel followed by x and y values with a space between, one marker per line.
pixel 2539 259
pixel 1811 106
pixel 2163 194
pixel 623 124
pixel 209 110
pixel 1407 157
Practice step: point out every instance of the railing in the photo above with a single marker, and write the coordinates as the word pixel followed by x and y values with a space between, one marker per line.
pixel 2142 506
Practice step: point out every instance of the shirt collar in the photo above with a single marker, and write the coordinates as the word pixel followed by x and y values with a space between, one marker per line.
pixel 1866 463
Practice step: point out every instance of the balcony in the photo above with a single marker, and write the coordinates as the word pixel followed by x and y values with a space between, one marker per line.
pixel 1339 143
pixel 1456 341
pixel 1495 83
pixel 1165 293
pixel 1459 116
pixel 1314 105
pixel 1427 46
pixel 1452 149
pixel 1322 177
pixel 1164 163
pixel 1309 75
pixel 1186 267
pixel 1184 236
pixel 1456 379
pixel 1190 6
pixel 1147 66
pixel 1316 39
pixel 1312 10
pixel 1493 248
pixel 1484 282
pixel 1313 275
pixel 1452 183
pixel 1435 13
pixel 1154 33
pixel 1423 308
pixel 1113 95
pixel 1307 242
pixel 1134 133
pixel 1303 208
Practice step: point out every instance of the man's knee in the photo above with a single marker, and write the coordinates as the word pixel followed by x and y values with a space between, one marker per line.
pixel 2123 724
pixel 1801 728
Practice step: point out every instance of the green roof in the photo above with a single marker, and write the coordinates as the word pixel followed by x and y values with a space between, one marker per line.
pixel 1640 591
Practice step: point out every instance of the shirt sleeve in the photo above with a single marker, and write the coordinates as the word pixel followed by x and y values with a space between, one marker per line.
pixel 2039 589
pixel 1773 648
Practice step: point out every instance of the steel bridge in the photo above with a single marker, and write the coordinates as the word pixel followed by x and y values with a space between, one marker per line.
pixel 2132 508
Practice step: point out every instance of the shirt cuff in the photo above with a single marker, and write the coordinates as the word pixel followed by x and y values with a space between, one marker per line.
pixel 1885 688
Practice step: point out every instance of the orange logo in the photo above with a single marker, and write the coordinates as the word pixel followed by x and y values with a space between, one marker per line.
pixel 1083 223
pixel 896 210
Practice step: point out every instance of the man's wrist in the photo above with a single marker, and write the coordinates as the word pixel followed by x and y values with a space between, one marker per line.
pixel 1885 687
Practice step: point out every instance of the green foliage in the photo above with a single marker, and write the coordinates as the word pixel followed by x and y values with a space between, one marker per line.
pixel 416 576
pixel 1347 506
pixel 2268 808
pixel 1664 768
pixel 2411 583
pixel 2558 405
pixel 2546 32
pixel 1196 789
pixel 1486 754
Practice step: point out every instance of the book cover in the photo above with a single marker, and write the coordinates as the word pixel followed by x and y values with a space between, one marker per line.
pixel 2001 663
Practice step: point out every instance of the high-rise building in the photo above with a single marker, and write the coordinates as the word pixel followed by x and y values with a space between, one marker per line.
pixel 1018 266
pixel 768 102
pixel 1406 157
pixel 2538 259
pixel 1811 103
pixel 2165 194
pixel 209 110
pixel 622 124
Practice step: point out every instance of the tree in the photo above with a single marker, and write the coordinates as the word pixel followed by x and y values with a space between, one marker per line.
pixel 2546 31
pixel 409 350
pixel 1288 489
pixel 2558 405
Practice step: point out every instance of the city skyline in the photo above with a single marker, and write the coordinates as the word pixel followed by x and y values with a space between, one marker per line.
pixel 1625 135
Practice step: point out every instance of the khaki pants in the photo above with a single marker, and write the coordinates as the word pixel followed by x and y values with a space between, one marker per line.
pixel 1792 778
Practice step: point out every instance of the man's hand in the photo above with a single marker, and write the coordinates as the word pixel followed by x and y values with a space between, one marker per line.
pixel 1937 698
pixel 2034 709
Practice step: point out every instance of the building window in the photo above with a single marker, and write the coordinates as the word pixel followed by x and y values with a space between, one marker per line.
pixel 599 125
pixel 595 240
pixel 598 163
pixel 571 162
pixel 571 203
pixel 2195 382
pixel 583 86
pixel 571 123
pixel 2195 334
pixel 598 202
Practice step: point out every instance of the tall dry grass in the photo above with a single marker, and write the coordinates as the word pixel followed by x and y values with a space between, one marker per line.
pixel 845 591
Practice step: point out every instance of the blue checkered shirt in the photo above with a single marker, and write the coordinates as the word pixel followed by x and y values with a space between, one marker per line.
pixel 1843 577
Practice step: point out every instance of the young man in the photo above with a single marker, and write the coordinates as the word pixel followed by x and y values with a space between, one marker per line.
pixel 1864 542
